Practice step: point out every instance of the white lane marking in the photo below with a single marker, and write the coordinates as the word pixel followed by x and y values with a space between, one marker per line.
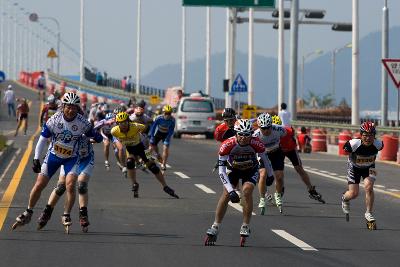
pixel 182 175
pixel 205 188
pixel 237 207
pixel 379 186
pixel 294 240
pixel 168 166
pixel 393 190
pixel 9 164
pixel 345 180
pixel 343 176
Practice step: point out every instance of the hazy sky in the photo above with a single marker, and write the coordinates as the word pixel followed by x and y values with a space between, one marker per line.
pixel 111 30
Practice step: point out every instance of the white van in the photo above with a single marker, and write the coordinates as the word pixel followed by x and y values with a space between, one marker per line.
pixel 195 114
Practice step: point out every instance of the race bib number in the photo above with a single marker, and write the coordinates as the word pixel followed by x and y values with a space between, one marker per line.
pixel 242 165
pixel 62 151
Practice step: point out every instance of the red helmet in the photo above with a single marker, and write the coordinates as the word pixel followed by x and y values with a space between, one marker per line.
pixel 367 127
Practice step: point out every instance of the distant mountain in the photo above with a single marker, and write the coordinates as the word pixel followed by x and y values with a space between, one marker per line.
pixel 317 74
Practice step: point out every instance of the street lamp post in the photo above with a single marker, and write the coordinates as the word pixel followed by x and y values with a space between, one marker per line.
pixel 333 62
pixel 385 54
pixel 316 52
pixel 34 18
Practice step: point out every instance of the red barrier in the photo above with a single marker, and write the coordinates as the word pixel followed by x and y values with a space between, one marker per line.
pixel 94 99
pixel 319 141
pixel 344 136
pixel 390 147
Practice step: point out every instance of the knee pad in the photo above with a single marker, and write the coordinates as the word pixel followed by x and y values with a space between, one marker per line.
pixel 59 189
pixel 270 180
pixel 153 167
pixel 130 163
pixel 82 188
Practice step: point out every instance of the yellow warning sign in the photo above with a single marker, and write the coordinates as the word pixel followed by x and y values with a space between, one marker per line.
pixel 52 53
pixel 249 111
pixel 154 100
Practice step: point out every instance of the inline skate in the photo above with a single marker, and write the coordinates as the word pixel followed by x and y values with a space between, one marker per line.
pixel 211 236
pixel 22 219
pixel 44 217
pixel 261 205
pixel 346 208
pixel 244 234
pixel 315 195
pixel 278 201
pixel 135 190
pixel 371 222
pixel 67 222
pixel 84 219
pixel 107 165
pixel 170 191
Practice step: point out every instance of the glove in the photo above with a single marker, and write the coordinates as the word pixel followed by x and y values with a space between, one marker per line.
pixel 234 197
pixel 36 166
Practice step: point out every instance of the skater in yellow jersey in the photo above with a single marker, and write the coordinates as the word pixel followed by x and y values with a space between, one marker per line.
pixel 127 134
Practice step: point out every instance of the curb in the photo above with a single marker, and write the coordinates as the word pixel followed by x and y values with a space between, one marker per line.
pixel 7 150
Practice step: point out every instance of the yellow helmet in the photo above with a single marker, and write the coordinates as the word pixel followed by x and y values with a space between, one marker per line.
pixel 121 117
pixel 167 109
pixel 276 120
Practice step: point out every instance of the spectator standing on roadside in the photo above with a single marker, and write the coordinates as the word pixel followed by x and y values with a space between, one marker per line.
pixel 123 83
pixel 105 75
pixel 285 115
pixel 129 83
pixel 9 99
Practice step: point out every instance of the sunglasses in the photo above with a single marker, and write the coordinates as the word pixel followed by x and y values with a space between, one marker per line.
pixel 265 128
pixel 167 113
pixel 244 134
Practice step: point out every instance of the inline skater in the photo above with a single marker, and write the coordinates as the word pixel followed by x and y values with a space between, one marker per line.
pixel 361 164
pixel 127 134
pixel 86 164
pixel 289 148
pixel 65 128
pixel 238 154
pixel 162 129
pixel 270 135
pixel 49 109
pixel 41 84
pixel 226 129
pixel 105 125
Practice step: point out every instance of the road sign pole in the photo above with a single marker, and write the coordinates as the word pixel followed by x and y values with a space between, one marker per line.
pixel 398 107
pixel 384 75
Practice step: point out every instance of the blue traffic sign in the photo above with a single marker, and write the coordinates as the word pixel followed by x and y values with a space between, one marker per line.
pixel 239 85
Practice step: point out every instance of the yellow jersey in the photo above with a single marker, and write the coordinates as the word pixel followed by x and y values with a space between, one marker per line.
pixel 130 138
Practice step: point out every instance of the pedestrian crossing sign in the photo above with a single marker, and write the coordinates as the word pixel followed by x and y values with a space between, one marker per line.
pixel 239 85
pixel 52 53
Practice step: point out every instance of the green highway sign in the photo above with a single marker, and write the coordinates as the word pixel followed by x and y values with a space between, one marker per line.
pixel 230 3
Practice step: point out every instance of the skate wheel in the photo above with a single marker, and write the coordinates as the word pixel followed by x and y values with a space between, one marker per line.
pixel 85 229
pixel 66 229
pixel 262 211
pixel 322 201
pixel 242 241
pixel 15 225
pixel 209 241
pixel 347 217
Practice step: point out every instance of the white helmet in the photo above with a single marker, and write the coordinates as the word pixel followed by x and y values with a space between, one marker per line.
pixel 264 120
pixel 243 126
pixel 9 86
pixel 51 99
pixel 71 98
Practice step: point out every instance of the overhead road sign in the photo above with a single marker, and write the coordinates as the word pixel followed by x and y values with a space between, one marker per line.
pixel 392 66
pixel 52 53
pixel 239 85
pixel 230 3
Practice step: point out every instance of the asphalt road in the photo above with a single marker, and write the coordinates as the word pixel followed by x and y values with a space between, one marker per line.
pixel 157 230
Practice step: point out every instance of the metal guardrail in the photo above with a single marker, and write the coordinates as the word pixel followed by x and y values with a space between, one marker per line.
pixel 108 92
pixel 340 126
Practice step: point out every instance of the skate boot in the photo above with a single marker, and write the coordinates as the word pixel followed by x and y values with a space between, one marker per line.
pixel 212 235
pixel 170 191
pixel 346 208
pixel 244 233
pixel 107 165
pixel 119 165
pixel 371 222
pixel 269 198
pixel 44 217
pixel 22 219
pixel 84 219
pixel 278 201
pixel 135 190
pixel 163 167
pixel 315 195
pixel 125 172
pixel 261 205
pixel 67 222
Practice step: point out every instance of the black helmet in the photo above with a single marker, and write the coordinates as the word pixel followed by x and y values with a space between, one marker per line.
pixel 228 113
pixel 142 104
